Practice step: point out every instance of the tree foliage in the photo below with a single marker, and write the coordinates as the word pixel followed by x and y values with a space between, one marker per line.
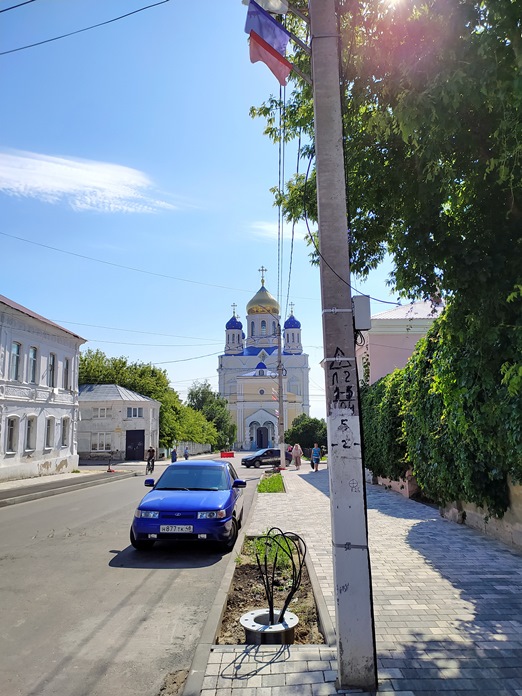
pixel 384 448
pixel 214 407
pixel 446 417
pixel 306 431
pixel 176 421
pixel 431 96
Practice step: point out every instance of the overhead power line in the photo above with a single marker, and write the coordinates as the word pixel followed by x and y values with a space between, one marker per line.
pixel 78 31
pixel 136 270
pixel 13 7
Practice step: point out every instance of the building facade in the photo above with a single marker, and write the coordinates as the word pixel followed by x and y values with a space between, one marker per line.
pixel 248 376
pixel 38 394
pixel 392 338
pixel 116 423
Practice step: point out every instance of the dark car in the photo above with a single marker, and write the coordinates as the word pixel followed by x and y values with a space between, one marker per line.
pixel 268 455
pixel 195 500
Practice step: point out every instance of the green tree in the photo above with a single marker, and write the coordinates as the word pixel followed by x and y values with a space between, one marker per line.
pixel 306 431
pixel 431 95
pixel 214 407
pixel 176 421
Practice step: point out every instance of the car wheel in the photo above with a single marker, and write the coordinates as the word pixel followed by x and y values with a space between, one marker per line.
pixel 228 545
pixel 257 463
pixel 141 544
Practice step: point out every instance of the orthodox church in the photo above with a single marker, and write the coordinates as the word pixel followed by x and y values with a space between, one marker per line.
pixel 248 371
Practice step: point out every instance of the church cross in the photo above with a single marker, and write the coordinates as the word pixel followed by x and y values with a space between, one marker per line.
pixel 234 305
pixel 292 307
pixel 262 270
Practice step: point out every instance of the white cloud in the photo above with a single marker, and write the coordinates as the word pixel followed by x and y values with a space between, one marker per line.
pixel 83 184
pixel 269 230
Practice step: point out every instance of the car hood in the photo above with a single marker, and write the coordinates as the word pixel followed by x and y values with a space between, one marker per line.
pixel 185 500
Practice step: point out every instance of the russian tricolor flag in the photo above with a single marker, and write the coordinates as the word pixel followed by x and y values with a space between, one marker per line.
pixel 268 41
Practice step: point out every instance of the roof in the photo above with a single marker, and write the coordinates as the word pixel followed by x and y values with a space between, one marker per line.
pixel 20 308
pixel 413 310
pixel 109 392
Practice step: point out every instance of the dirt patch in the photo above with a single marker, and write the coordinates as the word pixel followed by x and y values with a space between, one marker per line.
pixel 247 594
pixel 174 683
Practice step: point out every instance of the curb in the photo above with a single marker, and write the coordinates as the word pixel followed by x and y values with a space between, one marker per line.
pixel 194 682
pixel 35 495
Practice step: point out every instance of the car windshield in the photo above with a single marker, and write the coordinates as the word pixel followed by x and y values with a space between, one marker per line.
pixel 193 478
pixel 259 452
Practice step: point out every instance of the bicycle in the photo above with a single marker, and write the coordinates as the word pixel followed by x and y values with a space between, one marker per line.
pixel 149 469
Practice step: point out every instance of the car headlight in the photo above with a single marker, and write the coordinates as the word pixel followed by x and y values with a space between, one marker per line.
pixel 150 514
pixel 212 515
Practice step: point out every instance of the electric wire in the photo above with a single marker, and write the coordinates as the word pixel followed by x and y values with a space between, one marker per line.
pixel 148 333
pixel 293 231
pixel 305 215
pixel 119 265
pixel 79 31
pixel 137 270
pixel 13 7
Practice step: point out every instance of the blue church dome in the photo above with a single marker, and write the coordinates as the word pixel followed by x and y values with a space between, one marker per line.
pixel 261 366
pixel 292 323
pixel 234 323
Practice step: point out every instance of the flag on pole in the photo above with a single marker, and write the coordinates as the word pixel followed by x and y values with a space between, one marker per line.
pixel 266 27
pixel 273 6
pixel 263 51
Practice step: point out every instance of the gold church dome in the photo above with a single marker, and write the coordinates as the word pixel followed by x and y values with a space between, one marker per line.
pixel 263 302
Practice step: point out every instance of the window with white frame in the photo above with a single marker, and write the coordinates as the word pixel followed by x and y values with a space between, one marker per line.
pixel 30 433
pixel 263 328
pixel 66 376
pixel 51 370
pixel 134 412
pixel 101 412
pixel 11 444
pixel 66 424
pixel 49 433
pixel 101 442
pixel 33 365
pixel 14 371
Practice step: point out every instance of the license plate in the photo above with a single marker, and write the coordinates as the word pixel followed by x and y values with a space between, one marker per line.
pixel 176 528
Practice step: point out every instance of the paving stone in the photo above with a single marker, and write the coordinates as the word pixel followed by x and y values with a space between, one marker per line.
pixel 448 617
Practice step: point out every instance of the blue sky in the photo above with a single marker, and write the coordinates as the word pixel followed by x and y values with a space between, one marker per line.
pixel 134 186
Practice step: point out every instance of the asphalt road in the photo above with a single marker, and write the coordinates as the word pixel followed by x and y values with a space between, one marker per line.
pixel 82 613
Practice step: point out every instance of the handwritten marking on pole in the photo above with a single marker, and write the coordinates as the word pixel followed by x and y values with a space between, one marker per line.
pixel 354 486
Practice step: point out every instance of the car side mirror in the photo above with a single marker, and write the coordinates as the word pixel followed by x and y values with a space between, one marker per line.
pixel 239 483
pixel 149 483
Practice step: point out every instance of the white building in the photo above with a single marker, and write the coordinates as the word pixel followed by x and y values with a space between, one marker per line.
pixel 38 394
pixel 118 421
pixel 248 372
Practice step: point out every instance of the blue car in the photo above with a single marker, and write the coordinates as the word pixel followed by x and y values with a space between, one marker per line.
pixel 196 500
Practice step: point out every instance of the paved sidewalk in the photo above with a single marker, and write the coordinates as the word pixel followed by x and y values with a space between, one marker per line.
pixel 447 601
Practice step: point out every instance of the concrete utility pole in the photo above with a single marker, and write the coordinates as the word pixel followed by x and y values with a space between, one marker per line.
pixel 351 560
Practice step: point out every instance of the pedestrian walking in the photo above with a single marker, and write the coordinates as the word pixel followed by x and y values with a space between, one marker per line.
pixel 186 453
pixel 316 457
pixel 297 453
pixel 174 455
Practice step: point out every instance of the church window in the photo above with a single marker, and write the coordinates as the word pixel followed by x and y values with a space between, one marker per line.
pixel 252 328
pixel 293 337
pixel 273 328
pixel 263 328
pixel 261 391
pixel 233 338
